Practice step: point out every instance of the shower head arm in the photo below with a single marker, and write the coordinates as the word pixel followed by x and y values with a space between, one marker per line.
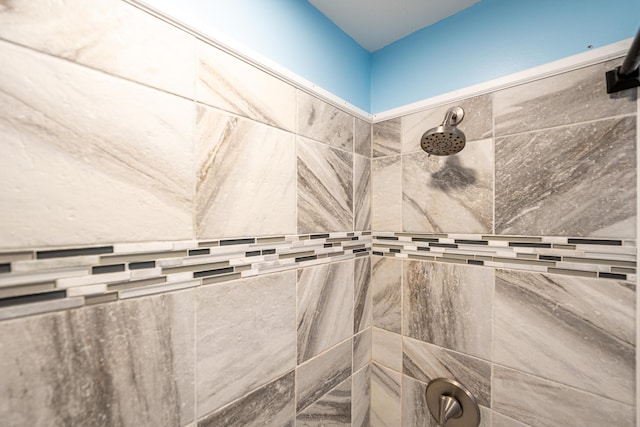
pixel 453 116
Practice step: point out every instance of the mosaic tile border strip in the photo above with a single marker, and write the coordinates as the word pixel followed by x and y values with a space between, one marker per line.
pixel 596 258
pixel 43 280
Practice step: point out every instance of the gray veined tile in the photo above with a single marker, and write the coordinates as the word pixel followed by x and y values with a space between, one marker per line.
pixel 124 363
pixel 324 307
pixel 449 305
pixel 415 411
pixel 572 97
pixel 386 194
pixel 426 362
pixel 362 304
pixel 78 156
pixel 449 193
pixel 361 397
pixel 325 188
pixel 386 138
pixel 362 138
pixel 362 346
pixel 542 403
pixel 361 193
pixel 477 123
pixel 108 35
pixel 500 420
pixel 386 291
pixel 333 409
pixel 573 330
pixel 246 179
pixel 271 405
pixel 231 84
pixel 387 349
pixel 560 181
pixel 386 403
pixel 245 337
pixel 323 122
pixel 321 374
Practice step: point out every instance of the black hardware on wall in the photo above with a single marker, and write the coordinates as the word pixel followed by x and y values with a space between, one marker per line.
pixel 627 75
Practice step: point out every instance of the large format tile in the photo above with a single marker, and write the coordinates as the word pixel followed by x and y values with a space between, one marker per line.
pixel 361 397
pixel 543 177
pixel 449 193
pixel 90 158
pixel 449 305
pixel 245 337
pixel 573 330
pixel 426 362
pixel 362 346
pixel 362 310
pixel 321 374
pixel 386 291
pixel 476 124
pixel 108 35
pixel 231 84
pixel 386 404
pixel 415 411
pixel 333 409
pixel 541 403
pixel 323 122
pixel 576 96
pixel 246 179
pixel 270 405
pixel 325 188
pixel 125 363
pixel 386 138
pixel 362 138
pixel 361 193
pixel 500 420
pixel 386 194
pixel 387 349
pixel 324 307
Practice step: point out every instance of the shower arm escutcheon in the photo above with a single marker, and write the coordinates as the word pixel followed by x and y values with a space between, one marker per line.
pixel 451 404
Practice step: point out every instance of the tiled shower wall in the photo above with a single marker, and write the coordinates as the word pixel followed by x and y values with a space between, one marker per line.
pixel 183 238
pixel 510 266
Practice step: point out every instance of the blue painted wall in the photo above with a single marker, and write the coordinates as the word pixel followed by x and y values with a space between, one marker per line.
pixel 290 32
pixel 492 39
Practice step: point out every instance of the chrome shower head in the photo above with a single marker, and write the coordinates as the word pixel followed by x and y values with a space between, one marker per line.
pixel 445 139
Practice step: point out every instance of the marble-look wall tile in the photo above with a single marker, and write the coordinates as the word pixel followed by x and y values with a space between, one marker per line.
pixel 386 404
pixel 541 403
pixel 573 97
pixel 361 398
pixel 321 374
pixel 231 84
pixel 386 291
pixel 499 420
pixel 476 124
pixel 541 321
pixel 386 194
pixel 449 305
pixel 324 307
pixel 246 178
pixel 361 193
pixel 387 349
pixel 362 344
pixel 426 362
pixel 109 35
pixel 332 409
pixel 95 158
pixel 325 188
pixel 323 122
pixel 245 337
pixel 362 304
pixel 270 405
pixel 386 138
pixel 449 193
pixel 415 411
pixel 362 137
pixel 125 363
pixel 542 177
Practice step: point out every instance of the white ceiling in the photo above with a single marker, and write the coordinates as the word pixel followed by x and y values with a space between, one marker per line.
pixel 377 23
